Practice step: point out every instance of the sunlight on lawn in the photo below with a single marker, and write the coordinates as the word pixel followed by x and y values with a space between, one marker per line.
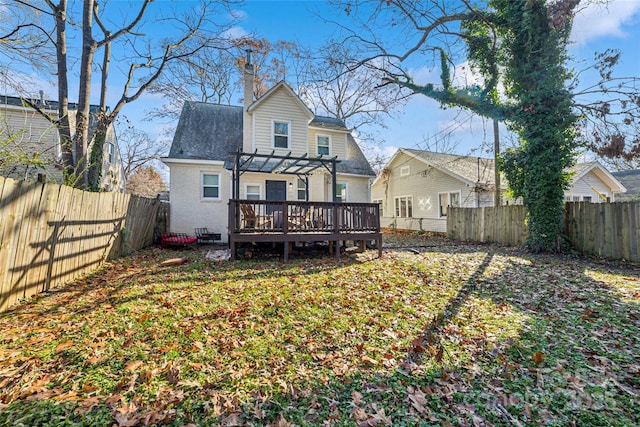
pixel 462 333
pixel 626 287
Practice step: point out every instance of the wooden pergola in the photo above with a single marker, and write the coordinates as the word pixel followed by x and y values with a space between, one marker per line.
pixel 281 164
pixel 297 221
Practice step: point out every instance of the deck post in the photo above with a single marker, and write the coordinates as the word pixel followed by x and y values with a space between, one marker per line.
pixel 334 180
pixel 333 222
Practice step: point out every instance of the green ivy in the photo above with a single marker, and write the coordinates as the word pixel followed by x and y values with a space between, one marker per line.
pixel 95 160
pixel 522 44
pixel 535 77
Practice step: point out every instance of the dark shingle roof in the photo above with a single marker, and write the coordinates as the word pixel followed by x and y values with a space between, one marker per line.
pixel 207 131
pixel 45 103
pixel 355 163
pixel 631 180
pixel 328 123
pixel 213 131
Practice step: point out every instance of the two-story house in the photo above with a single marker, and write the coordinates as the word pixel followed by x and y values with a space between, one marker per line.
pixel 34 143
pixel 272 149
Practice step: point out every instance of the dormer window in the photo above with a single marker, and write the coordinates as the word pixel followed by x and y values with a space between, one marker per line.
pixel 280 134
pixel 324 143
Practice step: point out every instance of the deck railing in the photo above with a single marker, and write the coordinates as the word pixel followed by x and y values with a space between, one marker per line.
pixel 285 217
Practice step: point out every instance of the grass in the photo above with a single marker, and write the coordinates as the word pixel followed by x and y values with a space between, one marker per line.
pixel 455 335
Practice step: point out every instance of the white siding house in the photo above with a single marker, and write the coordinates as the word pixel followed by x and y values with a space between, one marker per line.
pixel 28 133
pixel 209 137
pixel 416 187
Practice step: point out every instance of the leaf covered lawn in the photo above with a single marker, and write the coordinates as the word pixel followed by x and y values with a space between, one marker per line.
pixel 454 335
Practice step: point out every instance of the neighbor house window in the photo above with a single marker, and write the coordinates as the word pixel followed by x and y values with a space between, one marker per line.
pixel 253 192
pixel 323 145
pixel 341 191
pixel 448 200
pixel 111 151
pixel 302 189
pixel 210 186
pixel 379 202
pixel 405 170
pixel 586 198
pixel 280 135
pixel 404 206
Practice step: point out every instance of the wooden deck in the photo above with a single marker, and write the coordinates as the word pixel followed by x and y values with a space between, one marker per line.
pixel 288 221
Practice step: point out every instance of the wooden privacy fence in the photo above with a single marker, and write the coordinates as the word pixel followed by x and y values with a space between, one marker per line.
pixel 501 224
pixel 50 234
pixel 610 230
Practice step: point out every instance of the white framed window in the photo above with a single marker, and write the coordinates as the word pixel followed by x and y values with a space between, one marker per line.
pixel 379 202
pixel 252 192
pixel 405 170
pixel 111 151
pixel 587 198
pixel 301 189
pixel 281 134
pixel 446 200
pixel 324 145
pixel 210 186
pixel 341 191
pixel 404 206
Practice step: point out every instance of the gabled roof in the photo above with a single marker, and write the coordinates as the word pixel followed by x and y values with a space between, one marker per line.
pixel 475 171
pixel 282 85
pixel 214 132
pixel 581 169
pixel 631 180
pixel 470 170
pixel 207 132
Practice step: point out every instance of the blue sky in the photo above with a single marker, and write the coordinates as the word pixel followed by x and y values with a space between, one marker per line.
pixel 615 25
pixel 596 27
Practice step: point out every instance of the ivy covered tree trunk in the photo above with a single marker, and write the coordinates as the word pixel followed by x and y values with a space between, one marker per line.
pixel 96 158
pixel 536 76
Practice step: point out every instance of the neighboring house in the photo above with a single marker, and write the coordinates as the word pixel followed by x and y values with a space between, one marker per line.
pixel 26 132
pixel 416 187
pixel 631 180
pixel 279 129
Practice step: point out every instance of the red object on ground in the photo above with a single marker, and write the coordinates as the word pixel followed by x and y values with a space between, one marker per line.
pixel 176 239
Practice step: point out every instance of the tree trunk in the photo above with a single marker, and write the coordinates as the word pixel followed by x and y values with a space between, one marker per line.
pixel 89 47
pixel 64 129
pixel 496 156
pixel 99 138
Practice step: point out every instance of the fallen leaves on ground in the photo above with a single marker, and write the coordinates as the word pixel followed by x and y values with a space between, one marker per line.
pixel 452 335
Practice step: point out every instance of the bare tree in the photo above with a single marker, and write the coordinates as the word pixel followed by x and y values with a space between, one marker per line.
pixel 610 111
pixel 144 58
pixel 333 85
pixel 207 77
pixel 24 39
pixel 518 43
pixel 137 148
pixel 215 76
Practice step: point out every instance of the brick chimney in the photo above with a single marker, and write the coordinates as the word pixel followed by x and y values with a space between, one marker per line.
pixel 247 128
